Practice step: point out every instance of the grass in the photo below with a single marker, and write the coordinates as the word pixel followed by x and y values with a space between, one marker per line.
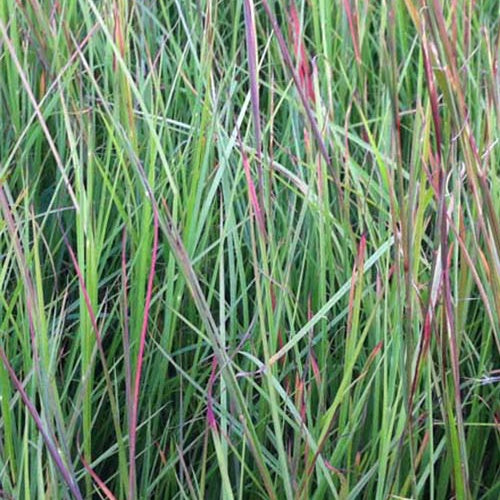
pixel 249 249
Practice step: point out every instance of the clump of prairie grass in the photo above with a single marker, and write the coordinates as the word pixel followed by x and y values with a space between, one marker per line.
pixel 249 249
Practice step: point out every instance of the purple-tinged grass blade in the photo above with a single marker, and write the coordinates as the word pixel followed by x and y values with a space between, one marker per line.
pixel 68 477
pixel 251 41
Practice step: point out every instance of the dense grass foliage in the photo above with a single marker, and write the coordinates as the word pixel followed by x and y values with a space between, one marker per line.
pixel 249 249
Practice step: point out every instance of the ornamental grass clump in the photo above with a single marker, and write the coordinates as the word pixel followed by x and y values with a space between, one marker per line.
pixel 249 249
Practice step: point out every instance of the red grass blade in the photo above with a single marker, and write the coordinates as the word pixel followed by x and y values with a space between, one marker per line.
pixel 126 333
pixel 212 423
pixel 301 55
pixel 98 480
pixel 251 40
pixel 254 201
pixel 353 29
pixel 289 63
pixel 140 358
